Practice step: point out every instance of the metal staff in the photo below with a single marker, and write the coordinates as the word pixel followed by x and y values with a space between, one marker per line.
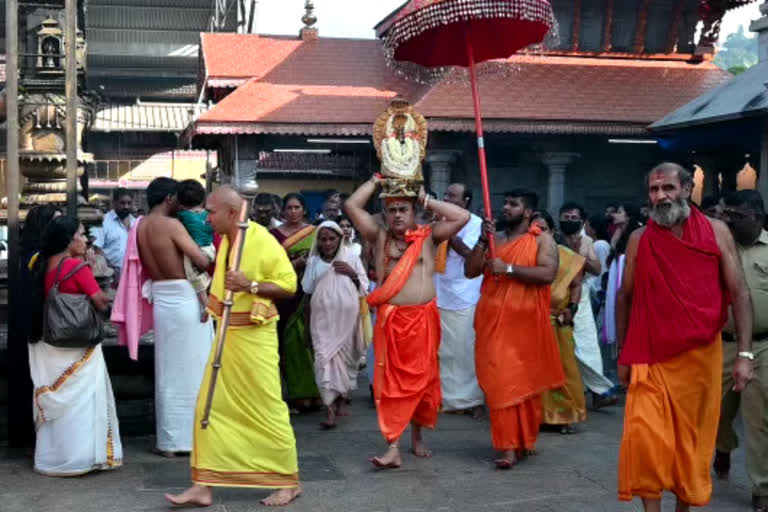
pixel 234 265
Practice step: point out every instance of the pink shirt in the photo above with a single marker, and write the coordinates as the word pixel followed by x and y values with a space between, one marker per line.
pixel 131 312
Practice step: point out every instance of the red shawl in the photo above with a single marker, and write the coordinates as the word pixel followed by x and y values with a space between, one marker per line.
pixel 679 302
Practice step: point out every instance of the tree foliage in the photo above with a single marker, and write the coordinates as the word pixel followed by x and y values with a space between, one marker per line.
pixel 738 53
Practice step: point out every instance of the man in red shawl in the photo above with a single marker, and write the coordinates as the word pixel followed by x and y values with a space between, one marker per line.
pixel 406 383
pixel 680 272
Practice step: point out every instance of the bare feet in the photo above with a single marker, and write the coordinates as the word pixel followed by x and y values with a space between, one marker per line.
pixel 282 497
pixel 163 453
pixel 417 443
pixel 341 407
pixel 195 496
pixel 506 460
pixel 389 460
pixel 330 422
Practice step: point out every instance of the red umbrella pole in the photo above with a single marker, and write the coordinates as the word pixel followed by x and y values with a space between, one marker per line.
pixel 480 140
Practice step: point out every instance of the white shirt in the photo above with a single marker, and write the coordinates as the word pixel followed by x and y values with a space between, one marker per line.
pixel 603 250
pixel 112 238
pixel 454 291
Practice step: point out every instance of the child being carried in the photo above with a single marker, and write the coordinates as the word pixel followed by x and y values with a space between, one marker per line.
pixel 193 216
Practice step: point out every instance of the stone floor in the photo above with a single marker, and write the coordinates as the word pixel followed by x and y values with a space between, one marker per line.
pixel 571 473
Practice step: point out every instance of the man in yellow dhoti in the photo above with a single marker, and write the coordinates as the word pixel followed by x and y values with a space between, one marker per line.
pixel 249 441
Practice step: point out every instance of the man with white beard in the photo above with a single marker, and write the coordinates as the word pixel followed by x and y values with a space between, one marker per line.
pixel 680 271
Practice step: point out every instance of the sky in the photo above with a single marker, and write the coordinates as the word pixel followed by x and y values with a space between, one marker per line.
pixel 356 18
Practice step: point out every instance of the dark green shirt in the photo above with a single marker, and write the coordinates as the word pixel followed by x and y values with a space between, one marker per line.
pixel 197 226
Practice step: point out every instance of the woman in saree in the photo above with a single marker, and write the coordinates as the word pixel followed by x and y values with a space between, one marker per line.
pixel 335 280
pixel 74 407
pixel 567 405
pixel 26 308
pixel 297 238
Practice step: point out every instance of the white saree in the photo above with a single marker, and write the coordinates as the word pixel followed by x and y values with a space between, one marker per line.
pixel 588 354
pixel 182 345
pixel 335 321
pixel 74 411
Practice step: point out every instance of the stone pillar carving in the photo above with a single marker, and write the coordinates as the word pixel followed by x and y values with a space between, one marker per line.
pixel 440 167
pixel 557 164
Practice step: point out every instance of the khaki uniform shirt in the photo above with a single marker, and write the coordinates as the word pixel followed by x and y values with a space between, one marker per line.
pixel 754 261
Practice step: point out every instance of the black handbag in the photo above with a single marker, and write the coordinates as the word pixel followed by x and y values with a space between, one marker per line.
pixel 69 319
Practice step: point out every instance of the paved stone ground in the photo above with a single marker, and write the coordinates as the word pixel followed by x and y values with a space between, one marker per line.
pixel 570 474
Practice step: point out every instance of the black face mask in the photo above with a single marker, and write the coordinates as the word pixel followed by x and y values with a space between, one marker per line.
pixel 570 227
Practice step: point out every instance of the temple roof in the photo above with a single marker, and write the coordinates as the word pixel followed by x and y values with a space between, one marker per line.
pixel 306 87
pixel 744 96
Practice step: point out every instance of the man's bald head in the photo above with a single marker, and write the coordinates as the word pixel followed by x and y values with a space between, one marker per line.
pixel 224 209
pixel 228 197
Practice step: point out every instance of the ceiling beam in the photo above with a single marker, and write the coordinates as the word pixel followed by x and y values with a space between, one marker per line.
pixel 576 28
pixel 641 27
pixel 608 26
pixel 673 36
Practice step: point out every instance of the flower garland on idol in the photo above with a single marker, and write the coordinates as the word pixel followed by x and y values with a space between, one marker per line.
pixel 401 158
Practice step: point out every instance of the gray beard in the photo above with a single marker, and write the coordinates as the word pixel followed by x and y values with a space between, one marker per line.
pixel 671 215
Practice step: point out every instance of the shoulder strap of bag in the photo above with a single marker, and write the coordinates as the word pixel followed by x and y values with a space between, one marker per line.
pixel 71 273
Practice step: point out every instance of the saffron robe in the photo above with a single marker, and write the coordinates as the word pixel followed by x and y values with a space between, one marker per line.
pixel 673 401
pixel 516 355
pixel 406 382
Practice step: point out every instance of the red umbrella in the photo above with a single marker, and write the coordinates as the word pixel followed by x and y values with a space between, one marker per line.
pixel 440 33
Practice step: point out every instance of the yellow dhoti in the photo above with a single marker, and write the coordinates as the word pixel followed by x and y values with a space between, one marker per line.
pixel 249 441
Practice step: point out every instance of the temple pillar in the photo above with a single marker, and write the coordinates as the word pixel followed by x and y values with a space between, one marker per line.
pixel 557 163
pixel 441 165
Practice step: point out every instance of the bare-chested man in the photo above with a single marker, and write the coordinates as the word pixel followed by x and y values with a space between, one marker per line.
pixel 407 336
pixel 182 342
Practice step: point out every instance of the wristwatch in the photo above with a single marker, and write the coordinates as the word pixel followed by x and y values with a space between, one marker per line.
pixel 510 270
pixel 747 355
pixel 254 288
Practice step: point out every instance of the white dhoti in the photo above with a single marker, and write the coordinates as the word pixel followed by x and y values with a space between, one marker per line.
pixel 182 345
pixel 458 379
pixel 74 411
pixel 588 354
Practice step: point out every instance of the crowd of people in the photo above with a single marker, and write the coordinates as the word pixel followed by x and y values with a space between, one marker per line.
pixel 529 318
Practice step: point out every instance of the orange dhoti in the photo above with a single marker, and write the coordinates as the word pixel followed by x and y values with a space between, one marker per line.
pixel 406 378
pixel 670 426
pixel 406 382
pixel 516 356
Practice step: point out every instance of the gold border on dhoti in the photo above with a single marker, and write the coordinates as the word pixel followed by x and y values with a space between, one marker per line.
pixel 262 480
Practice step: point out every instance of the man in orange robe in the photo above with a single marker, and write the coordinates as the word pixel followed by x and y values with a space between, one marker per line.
pixel 680 271
pixel 516 354
pixel 406 383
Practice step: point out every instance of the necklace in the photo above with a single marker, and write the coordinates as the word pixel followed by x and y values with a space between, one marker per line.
pixel 401 245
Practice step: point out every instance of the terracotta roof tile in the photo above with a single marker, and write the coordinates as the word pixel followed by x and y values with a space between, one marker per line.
pixel 347 81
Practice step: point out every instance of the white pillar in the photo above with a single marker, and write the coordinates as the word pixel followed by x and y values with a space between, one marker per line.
pixel 440 167
pixel 557 163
